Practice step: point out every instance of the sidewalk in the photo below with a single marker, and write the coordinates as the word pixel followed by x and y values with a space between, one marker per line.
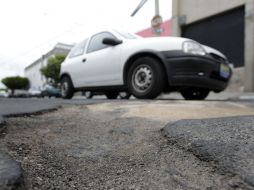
pixel 227 96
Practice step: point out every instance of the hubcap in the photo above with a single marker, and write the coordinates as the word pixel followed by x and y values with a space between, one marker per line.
pixel 64 88
pixel 142 78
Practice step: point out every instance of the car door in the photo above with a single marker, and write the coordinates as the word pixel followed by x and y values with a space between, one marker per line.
pixel 75 63
pixel 100 63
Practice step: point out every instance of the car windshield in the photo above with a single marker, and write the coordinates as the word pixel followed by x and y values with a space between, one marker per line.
pixel 128 35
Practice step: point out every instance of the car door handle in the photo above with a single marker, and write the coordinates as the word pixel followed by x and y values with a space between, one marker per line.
pixel 84 60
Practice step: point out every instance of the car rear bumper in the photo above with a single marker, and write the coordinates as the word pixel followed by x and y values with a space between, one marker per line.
pixel 185 70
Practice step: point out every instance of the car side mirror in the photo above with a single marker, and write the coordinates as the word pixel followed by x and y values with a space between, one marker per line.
pixel 111 41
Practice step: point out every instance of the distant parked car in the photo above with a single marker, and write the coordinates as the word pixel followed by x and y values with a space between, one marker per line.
pixel 19 94
pixel 34 93
pixel 3 94
pixel 51 91
pixel 113 61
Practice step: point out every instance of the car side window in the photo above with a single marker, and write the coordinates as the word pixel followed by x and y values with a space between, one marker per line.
pixel 78 49
pixel 96 41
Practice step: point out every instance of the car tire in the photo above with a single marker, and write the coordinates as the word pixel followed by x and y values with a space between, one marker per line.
pixel 195 94
pixel 111 95
pixel 146 79
pixel 67 90
pixel 124 95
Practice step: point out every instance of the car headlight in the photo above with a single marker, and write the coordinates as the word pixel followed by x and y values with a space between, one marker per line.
pixel 193 48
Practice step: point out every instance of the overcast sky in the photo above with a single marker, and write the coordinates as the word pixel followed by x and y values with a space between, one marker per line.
pixel 30 28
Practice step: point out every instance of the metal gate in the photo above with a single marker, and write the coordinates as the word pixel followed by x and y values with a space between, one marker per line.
pixel 224 32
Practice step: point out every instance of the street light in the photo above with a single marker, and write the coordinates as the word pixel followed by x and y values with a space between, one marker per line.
pixel 142 3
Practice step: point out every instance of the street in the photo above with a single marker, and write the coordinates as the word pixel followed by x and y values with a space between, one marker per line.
pixel 131 144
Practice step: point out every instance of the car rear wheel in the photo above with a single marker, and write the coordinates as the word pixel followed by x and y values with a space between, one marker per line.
pixel 111 95
pixel 195 94
pixel 146 79
pixel 67 89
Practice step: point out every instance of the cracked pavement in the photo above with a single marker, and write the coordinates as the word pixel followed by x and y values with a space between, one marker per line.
pixel 119 145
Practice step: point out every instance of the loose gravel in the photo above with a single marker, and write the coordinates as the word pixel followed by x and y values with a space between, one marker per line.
pixel 81 148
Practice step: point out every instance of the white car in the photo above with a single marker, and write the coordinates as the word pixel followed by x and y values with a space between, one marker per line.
pixel 113 62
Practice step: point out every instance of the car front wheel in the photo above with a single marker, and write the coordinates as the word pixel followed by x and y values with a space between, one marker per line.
pixel 67 89
pixel 195 94
pixel 146 79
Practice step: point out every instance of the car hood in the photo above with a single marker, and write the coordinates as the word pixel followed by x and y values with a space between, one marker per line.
pixel 158 43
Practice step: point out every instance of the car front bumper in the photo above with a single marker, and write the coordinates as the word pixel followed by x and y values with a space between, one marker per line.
pixel 187 70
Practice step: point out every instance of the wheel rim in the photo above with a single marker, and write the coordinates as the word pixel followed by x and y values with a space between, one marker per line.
pixel 64 88
pixel 142 78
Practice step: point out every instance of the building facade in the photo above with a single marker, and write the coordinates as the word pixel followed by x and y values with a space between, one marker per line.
pixel 227 25
pixel 149 32
pixel 32 71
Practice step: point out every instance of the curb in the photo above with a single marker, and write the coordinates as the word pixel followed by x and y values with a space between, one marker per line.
pixel 11 176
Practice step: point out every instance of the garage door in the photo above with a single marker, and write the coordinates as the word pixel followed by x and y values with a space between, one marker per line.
pixel 224 32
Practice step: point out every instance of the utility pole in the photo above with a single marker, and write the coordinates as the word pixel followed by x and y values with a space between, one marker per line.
pixel 157 7
pixel 249 46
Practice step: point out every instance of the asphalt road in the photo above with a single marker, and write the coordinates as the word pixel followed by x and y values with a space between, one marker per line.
pixel 227 143
pixel 16 106
pixel 160 144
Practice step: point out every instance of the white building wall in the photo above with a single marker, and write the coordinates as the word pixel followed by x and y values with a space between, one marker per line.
pixel 37 80
pixel 33 73
pixel 194 10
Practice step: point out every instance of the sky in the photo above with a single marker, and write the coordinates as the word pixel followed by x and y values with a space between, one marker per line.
pixel 30 28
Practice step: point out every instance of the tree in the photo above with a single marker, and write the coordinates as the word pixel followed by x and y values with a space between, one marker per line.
pixel 52 70
pixel 17 82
